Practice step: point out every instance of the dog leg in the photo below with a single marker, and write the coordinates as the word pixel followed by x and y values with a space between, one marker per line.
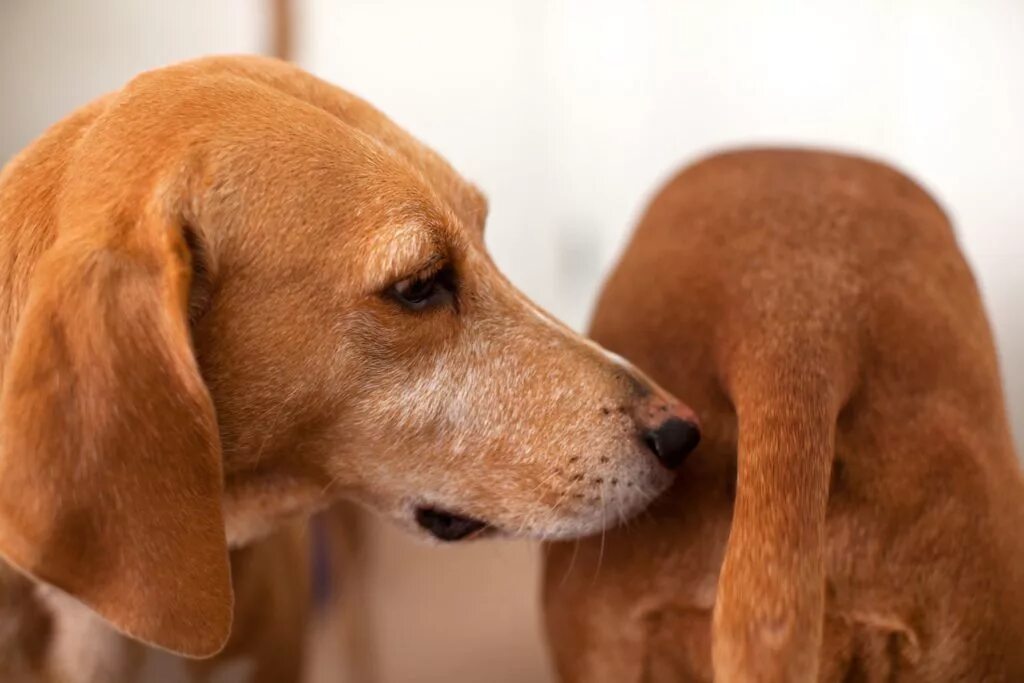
pixel 769 610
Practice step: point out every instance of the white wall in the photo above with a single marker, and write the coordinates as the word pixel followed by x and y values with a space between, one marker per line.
pixel 569 112
pixel 58 54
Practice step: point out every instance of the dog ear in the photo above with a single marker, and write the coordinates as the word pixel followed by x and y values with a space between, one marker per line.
pixel 110 467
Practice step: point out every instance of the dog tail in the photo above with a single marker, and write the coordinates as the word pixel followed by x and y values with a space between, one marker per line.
pixel 769 613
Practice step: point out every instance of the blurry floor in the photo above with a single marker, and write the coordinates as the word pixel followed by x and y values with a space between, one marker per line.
pixel 452 614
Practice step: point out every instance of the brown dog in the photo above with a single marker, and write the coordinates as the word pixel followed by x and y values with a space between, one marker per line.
pixel 855 512
pixel 231 293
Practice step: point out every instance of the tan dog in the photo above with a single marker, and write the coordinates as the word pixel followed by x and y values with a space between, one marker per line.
pixel 231 293
pixel 855 512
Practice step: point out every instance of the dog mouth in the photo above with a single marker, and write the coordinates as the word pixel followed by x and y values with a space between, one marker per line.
pixel 448 526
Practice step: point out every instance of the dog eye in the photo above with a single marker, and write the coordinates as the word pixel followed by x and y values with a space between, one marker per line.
pixel 427 289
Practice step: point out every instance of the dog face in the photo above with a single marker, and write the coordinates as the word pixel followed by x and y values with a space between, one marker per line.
pixel 394 363
pixel 263 295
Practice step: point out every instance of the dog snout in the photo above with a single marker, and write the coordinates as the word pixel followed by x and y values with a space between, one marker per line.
pixel 672 441
pixel 670 430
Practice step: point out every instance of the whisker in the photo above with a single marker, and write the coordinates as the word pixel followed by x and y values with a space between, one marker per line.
pixel 542 482
pixel 334 480
pixel 600 555
pixel 560 501
pixel 572 562
pixel 273 416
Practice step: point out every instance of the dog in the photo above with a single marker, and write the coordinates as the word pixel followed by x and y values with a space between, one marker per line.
pixel 231 293
pixel 854 512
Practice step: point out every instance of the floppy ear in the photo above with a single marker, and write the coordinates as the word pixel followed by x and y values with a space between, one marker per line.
pixel 110 466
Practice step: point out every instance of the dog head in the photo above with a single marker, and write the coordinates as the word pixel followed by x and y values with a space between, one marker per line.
pixel 260 295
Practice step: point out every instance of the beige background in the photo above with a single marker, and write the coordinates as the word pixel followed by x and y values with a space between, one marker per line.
pixel 445 613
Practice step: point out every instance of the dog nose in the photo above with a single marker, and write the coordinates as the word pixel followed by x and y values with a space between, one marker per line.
pixel 672 441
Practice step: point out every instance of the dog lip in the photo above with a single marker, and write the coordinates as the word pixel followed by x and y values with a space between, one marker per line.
pixel 448 526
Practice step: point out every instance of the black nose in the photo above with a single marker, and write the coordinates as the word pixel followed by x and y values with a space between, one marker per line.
pixel 447 526
pixel 672 441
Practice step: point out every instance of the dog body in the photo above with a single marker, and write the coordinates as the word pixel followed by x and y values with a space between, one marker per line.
pixel 855 511
pixel 231 293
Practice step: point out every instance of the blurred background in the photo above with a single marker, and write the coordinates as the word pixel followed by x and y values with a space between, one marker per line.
pixel 568 113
